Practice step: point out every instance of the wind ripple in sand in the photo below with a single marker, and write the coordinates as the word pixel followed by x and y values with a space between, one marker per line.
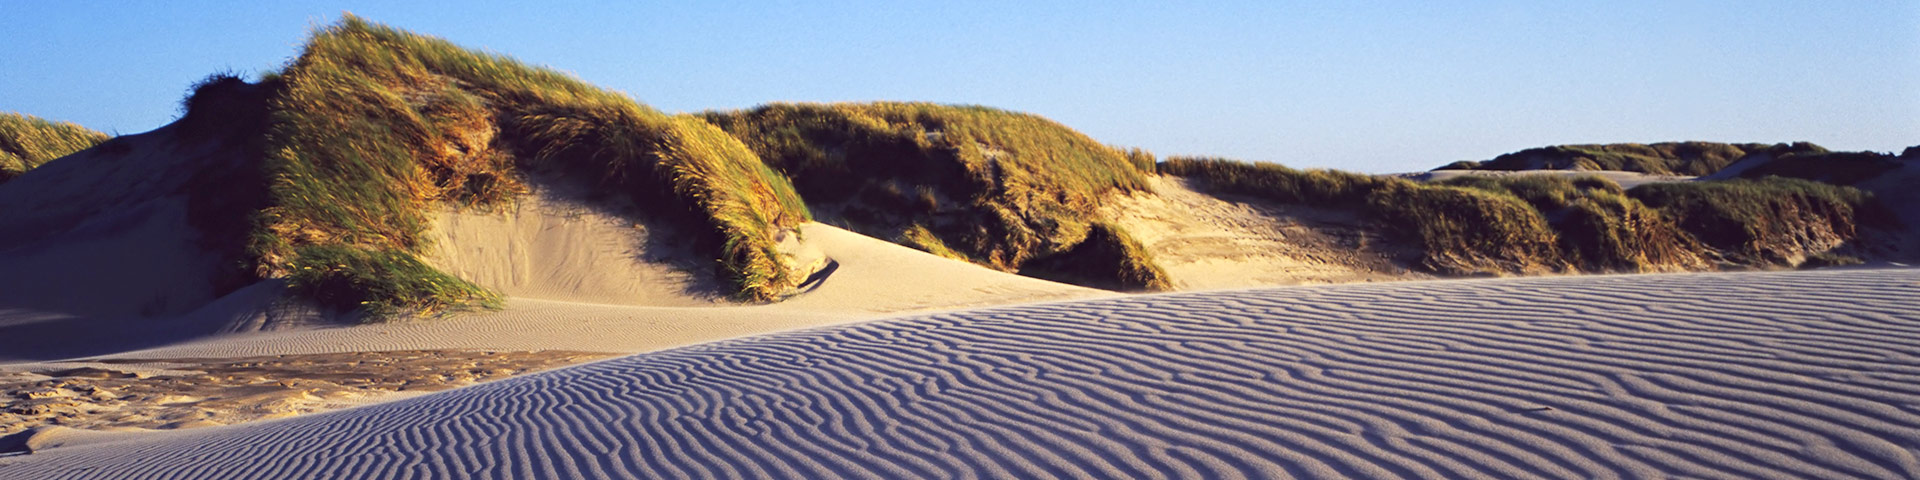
pixel 1751 375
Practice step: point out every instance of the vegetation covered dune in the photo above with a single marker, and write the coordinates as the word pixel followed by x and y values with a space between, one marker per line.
pixel 335 169
pixel 1012 191
pixel 27 141
pixel 1666 158
pixel 1536 224
pixel 337 187
pixel 372 126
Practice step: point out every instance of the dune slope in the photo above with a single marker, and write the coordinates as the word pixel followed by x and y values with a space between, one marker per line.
pixel 1745 375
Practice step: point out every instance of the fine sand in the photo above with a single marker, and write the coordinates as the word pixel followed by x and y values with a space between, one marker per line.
pixel 1723 375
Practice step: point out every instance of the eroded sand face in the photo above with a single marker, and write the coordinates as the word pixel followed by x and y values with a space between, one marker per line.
pixel 1210 242
pixel 197 392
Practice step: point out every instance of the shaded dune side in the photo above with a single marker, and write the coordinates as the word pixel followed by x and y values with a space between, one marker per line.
pixel 1748 375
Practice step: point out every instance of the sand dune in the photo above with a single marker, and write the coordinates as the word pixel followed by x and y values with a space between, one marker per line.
pixel 1625 179
pixel 1207 241
pixel 1741 375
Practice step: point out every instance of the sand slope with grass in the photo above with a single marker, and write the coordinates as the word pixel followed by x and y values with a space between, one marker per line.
pixel 1724 375
pixel 1213 241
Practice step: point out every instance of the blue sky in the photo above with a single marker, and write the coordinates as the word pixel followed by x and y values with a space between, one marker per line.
pixel 1374 86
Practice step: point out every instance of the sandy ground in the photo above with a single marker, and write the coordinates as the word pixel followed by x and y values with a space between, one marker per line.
pixel 1210 242
pixel 179 383
pixel 195 392
pixel 1724 375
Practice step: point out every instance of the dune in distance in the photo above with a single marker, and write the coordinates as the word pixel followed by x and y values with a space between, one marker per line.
pixel 1737 375
pixel 398 257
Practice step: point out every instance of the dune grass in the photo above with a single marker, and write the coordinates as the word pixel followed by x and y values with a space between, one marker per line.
pixel 1666 158
pixel 380 284
pixel 27 141
pixel 1597 226
pixel 1278 183
pixel 1539 223
pixel 1765 221
pixel 1467 231
pixel 372 127
pixel 1108 258
pixel 996 187
pixel 1839 168
pixel 1460 230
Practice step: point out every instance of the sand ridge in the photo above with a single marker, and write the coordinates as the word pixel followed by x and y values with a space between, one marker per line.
pixel 1624 179
pixel 1726 375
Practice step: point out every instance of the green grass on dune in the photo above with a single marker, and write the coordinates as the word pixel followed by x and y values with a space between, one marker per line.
pixel 372 126
pixel 996 187
pixel 1666 158
pixel 1278 183
pixel 27 141
pixel 1838 168
pixel 1536 223
pixel 1108 258
pixel 1460 230
pixel 1762 221
pixel 1598 228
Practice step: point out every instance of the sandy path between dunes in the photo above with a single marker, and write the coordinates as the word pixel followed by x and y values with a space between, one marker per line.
pixel 1725 375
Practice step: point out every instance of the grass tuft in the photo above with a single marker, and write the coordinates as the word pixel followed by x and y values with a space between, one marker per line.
pixel 1766 221
pixel 997 187
pixel 1598 227
pixel 27 141
pixel 1093 261
pixel 1531 223
pixel 1667 158
pixel 1277 183
pixel 1466 230
pixel 381 284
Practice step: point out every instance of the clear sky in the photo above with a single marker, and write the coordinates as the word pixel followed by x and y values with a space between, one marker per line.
pixel 1375 86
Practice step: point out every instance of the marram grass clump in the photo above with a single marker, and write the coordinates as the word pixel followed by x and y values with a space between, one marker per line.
pixel 27 141
pixel 1526 224
pixel 1459 230
pixel 1666 158
pixel 1108 258
pixel 996 187
pixel 1768 221
pixel 381 284
pixel 1599 228
pixel 372 127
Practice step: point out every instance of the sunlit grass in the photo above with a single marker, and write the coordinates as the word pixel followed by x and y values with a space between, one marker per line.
pixel 1541 223
pixel 1667 158
pixel 996 187
pixel 27 141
